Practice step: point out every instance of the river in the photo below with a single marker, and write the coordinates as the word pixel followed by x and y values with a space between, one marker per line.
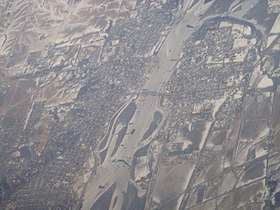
pixel 108 173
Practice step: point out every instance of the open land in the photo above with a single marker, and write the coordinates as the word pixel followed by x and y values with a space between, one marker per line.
pixel 139 105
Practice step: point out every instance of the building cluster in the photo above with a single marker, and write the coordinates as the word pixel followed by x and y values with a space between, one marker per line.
pixel 273 6
pixel 205 96
pixel 214 69
pixel 71 91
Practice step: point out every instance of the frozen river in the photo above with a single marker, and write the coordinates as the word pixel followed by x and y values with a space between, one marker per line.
pixel 109 172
